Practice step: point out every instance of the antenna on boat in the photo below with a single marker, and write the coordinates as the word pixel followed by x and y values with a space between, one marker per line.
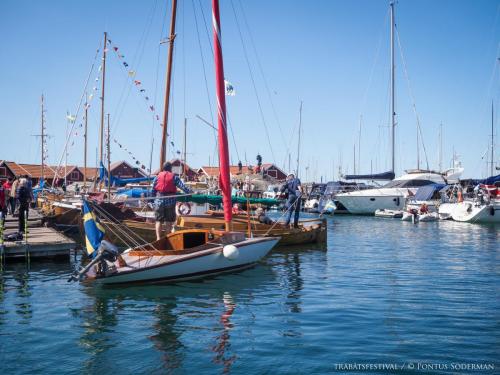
pixel 393 114
pixel 171 39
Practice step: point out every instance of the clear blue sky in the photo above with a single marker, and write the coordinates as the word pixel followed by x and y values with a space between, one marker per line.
pixel 332 55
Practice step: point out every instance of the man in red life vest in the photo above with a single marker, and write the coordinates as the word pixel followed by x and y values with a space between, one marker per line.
pixel 165 185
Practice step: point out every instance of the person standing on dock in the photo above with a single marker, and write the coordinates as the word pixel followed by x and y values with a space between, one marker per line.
pixel 13 199
pixel 294 189
pixel 7 186
pixel 165 185
pixel 24 196
pixel 3 205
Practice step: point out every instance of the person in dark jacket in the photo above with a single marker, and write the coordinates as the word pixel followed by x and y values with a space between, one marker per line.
pixel 293 188
pixel 24 196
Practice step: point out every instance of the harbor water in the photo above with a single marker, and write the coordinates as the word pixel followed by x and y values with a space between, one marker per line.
pixel 381 291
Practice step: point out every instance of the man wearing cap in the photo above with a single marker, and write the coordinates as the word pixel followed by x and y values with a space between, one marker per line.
pixel 294 189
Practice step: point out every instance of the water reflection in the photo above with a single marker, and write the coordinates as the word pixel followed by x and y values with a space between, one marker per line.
pixel 223 345
pixel 174 310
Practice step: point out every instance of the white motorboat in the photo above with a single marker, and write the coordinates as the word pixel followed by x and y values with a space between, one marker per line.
pixel 392 196
pixel 475 212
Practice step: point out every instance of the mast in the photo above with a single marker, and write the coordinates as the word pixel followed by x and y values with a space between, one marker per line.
pixel 108 152
pixel 43 141
pixel 185 149
pixel 163 149
pixel 221 116
pixel 101 131
pixel 359 143
pixel 354 160
pixel 393 114
pixel 418 149
pixel 441 147
pixel 85 146
pixel 298 142
pixel 492 144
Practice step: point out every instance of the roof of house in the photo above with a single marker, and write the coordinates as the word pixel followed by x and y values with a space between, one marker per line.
pixel 233 169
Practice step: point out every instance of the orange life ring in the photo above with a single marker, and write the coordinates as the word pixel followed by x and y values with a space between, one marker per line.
pixel 460 198
pixel 183 208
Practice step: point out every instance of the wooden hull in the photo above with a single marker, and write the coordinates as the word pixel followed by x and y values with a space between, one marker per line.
pixel 144 232
pixel 309 231
pixel 159 266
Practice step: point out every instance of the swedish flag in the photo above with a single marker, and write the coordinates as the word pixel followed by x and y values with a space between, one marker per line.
pixel 94 232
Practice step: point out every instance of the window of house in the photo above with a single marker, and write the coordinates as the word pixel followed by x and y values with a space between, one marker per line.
pixel 75 175
pixel 272 173
pixel 3 171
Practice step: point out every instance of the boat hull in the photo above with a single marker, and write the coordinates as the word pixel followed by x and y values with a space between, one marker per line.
pixel 469 213
pixel 368 204
pixel 161 269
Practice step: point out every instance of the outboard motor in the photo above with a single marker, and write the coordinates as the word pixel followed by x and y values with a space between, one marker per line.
pixel 107 252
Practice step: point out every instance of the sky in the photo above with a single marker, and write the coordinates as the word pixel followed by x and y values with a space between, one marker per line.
pixel 333 56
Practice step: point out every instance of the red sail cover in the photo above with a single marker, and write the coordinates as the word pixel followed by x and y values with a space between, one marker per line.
pixel 221 112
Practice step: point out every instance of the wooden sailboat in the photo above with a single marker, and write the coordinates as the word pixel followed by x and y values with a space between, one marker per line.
pixel 189 253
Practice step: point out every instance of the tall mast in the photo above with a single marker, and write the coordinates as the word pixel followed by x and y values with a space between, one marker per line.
pixel 108 152
pixel 393 114
pixel 163 149
pixel 221 116
pixel 418 149
pixel 298 142
pixel 43 141
pixel 492 144
pixel 85 146
pixel 359 143
pixel 184 168
pixel 440 147
pixel 101 131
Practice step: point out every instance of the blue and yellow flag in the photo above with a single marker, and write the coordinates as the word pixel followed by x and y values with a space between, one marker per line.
pixel 94 232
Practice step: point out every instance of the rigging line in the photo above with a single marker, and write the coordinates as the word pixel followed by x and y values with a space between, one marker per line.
pixel 65 149
pixel 184 59
pixel 203 66
pixel 262 72
pixel 206 29
pixel 139 53
pixel 253 82
pixel 119 228
pixel 412 97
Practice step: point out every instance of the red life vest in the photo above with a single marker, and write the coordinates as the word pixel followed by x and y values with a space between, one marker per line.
pixel 165 183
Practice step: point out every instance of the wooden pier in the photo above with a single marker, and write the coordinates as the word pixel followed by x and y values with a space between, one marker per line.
pixel 40 242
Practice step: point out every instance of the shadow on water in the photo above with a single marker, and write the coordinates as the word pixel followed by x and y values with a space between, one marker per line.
pixel 165 311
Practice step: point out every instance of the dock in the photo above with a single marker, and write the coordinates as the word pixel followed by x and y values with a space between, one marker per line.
pixel 41 241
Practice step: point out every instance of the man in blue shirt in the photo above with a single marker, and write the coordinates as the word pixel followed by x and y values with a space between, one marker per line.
pixel 294 189
pixel 165 184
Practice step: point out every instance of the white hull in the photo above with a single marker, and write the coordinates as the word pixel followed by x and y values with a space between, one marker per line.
pixel 368 204
pixel 433 216
pixel 468 212
pixel 156 269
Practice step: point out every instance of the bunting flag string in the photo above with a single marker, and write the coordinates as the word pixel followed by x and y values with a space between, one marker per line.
pixel 136 160
pixel 136 82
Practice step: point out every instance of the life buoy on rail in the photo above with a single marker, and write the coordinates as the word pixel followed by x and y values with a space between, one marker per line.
pixel 460 197
pixel 183 208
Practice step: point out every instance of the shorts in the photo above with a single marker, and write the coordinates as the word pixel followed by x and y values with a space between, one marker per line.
pixel 165 214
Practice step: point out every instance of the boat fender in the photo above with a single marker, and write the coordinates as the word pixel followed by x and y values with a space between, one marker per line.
pixel 230 252
pixel 492 210
pixel 183 208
